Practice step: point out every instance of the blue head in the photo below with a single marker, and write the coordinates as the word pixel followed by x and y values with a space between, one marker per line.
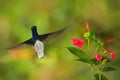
pixel 34 33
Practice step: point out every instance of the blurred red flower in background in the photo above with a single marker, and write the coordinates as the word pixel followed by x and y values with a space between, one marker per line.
pixel 112 54
pixel 87 26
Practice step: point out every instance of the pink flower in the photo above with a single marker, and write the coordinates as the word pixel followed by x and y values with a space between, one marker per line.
pixel 98 57
pixel 112 54
pixel 77 42
pixel 87 26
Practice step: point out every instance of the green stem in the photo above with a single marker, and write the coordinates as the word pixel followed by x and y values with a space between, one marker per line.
pixel 99 72
pixel 100 76
pixel 96 50
pixel 92 71
pixel 88 44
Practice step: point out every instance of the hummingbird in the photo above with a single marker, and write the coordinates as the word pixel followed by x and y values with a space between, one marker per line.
pixel 37 40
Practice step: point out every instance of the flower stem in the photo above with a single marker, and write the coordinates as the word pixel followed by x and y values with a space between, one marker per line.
pixel 100 76
pixel 99 73
pixel 88 44
pixel 92 71
pixel 96 50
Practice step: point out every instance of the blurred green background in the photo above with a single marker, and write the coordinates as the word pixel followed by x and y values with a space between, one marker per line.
pixel 17 17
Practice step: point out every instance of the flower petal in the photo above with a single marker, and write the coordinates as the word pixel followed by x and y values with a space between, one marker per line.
pixel 113 55
pixel 77 42
pixel 109 41
pixel 87 26
pixel 98 57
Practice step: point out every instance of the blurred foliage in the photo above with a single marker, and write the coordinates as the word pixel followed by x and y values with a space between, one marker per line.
pixel 16 18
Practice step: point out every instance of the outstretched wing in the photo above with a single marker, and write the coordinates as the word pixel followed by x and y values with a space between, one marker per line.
pixel 27 42
pixel 50 35
pixel 40 37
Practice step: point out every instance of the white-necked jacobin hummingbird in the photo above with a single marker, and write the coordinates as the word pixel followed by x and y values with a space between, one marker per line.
pixel 37 40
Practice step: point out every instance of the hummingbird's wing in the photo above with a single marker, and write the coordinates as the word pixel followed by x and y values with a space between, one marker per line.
pixel 40 37
pixel 27 42
pixel 48 36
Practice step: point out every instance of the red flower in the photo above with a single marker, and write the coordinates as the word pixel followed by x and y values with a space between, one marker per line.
pixel 112 54
pixel 98 57
pixel 77 42
pixel 87 26
pixel 109 41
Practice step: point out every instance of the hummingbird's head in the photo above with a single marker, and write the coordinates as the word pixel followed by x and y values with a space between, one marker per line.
pixel 33 28
pixel 34 32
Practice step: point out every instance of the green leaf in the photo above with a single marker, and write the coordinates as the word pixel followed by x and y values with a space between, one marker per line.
pixel 81 54
pixel 92 35
pixel 94 61
pixel 98 43
pixel 108 59
pixel 105 69
pixel 83 60
pixel 96 76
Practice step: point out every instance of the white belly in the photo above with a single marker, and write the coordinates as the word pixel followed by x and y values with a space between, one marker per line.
pixel 39 48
